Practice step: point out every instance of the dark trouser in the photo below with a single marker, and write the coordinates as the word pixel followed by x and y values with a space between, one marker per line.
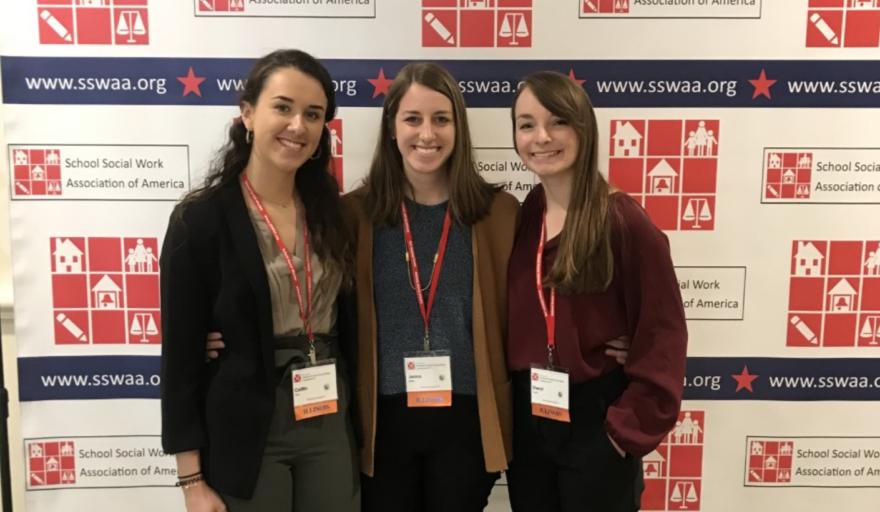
pixel 568 467
pixel 428 459
pixel 308 465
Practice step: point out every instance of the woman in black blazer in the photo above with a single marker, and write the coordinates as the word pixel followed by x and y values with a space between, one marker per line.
pixel 259 253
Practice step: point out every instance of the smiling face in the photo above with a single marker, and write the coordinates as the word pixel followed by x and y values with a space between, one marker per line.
pixel 287 120
pixel 546 143
pixel 424 129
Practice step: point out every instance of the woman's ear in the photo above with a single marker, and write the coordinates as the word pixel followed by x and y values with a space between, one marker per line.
pixel 247 115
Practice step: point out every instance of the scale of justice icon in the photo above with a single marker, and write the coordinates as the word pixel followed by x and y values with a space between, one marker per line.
pixel 697 210
pixel 871 329
pixel 684 493
pixel 130 24
pixel 143 325
pixel 514 25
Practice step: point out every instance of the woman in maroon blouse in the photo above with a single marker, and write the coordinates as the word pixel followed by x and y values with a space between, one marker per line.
pixel 587 266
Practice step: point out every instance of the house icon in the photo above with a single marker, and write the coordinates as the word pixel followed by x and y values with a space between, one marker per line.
pixel 106 293
pixel 842 296
pixel 774 160
pixel 36 450
pixel 770 462
pixel 788 176
pixel 757 448
pixel 20 157
pixel 626 139
pixel 68 257
pixel 808 260
pixel 38 173
pixel 652 465
pixel 52 464
pixel 662 178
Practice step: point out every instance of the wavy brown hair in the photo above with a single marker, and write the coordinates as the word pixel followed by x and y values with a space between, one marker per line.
pixel 315 186
pixel 470 196
pixel 584 260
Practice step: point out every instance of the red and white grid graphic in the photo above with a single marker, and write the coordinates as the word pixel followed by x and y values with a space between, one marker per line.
pixel 769 462
pixel 336 150
pixel 36 172
pixel 477 23
pixel 105 290
pixel 51 463
pixel 220 5
pixel 122 22
pixel 834 296
pixel 604 7
pixel 843 24
pixel 789 175
pixel 674 471
pixel 670 167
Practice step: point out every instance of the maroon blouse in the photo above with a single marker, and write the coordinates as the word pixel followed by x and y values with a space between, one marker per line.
pixel 642 302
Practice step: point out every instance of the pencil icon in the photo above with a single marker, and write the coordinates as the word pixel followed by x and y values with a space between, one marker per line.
pixel 590 6
pixel 208 6
pixel 804 329
pixel 772 191
pixel 71 327
pixel 20 186
pixel 56 25
pixel 824 28
pixel 440 28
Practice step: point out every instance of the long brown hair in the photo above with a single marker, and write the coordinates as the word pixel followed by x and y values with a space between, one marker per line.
pixel 315 186
pixel 584 260
pixel 470 197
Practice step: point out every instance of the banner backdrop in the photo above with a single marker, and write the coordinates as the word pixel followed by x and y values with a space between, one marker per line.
pixel 747 129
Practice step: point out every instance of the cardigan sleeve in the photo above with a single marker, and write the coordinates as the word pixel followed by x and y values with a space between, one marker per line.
pixel 185 320
pixel 649 406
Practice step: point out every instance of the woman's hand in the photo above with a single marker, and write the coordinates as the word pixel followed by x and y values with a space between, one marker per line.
pixel 201 498
pixel 213 345
pixel 617 348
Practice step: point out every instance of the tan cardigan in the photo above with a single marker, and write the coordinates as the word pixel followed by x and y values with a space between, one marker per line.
pixel 492 239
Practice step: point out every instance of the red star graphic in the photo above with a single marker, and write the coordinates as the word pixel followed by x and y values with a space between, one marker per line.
pixel 380 83
pixel 191 83
pixel 574 78
pixel 744 380
pixel 762 85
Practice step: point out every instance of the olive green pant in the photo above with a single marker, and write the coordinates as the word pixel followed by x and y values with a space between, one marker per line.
pixel 308 465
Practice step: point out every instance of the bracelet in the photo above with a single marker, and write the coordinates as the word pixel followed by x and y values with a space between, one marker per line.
pixel 189 482
pixel 184 477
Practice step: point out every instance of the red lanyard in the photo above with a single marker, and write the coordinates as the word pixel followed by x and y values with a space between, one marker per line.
pixel 549 314
pixel 305 307
pixel 425 309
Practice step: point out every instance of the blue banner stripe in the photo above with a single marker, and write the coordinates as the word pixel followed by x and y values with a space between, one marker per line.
pixel 708 378
pixel 489 83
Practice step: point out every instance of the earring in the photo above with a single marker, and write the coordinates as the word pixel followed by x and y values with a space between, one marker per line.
pixel 317 154
pixel 249 136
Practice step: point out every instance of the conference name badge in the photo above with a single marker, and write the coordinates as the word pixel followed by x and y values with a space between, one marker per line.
pixel 550 393
pixel 428 379
pixel 314 390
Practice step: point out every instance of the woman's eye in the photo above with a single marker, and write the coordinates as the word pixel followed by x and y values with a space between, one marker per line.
pixel 442 120
pixel 281 107
pixel 560 122
pixel 524 126
pixel 312 116
pixel 411 120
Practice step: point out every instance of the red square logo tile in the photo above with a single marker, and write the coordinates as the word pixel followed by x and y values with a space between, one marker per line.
pixel 108 327
pixel 144 327
pixel 142 291
pixel 842 294
pixel 664 176
pixel 71 327
pixel 68 255
pixel 654 494
pixel 699 176
pixel 862 29
pixel 105 255
pixel 663 210
pixel 840 330
pixel 70 291
pixel 698 213
pixel 685 461
pixel 684 494
pixel 869 329
pixel 826 3
pixel 845 258
pixel 140 255
pixel 700 138
pixel 870 299
pixel 806 294
pixel 627 138
pixel 514 28
pixel 664 138
pixel 131 25
pixel 440 3
pixel 808 258
pixel 477 28
pixel 627 174
pixel 106 291
pixel 94 25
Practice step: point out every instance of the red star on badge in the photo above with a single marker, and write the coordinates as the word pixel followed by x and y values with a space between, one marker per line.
pixel 574 78
pixel 191 83
pixel 762 85
pixel 380 83
pixel 744 380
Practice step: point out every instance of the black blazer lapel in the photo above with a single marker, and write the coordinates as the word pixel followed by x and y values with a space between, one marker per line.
pixel 244 241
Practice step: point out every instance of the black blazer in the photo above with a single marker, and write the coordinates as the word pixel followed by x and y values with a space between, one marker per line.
pixel 213 278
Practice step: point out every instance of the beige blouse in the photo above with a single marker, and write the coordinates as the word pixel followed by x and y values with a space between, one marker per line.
pixel 285 307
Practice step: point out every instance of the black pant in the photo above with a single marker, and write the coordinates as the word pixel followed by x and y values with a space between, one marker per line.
pixel 428 459
pixel 568 467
